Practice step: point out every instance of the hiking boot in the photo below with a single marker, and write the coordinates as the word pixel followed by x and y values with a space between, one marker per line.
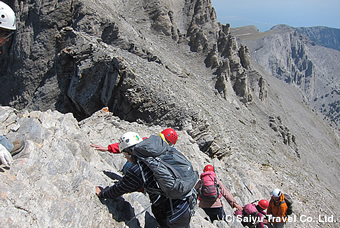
pixel 19 145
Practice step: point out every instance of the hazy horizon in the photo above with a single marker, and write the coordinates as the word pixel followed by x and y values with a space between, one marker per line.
pixel 265 14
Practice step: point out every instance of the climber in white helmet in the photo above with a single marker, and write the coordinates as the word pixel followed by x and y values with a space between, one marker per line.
pixel 7 22
pixel 7 28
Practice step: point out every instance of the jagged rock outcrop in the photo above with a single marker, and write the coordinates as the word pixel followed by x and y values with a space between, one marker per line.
pixel 276 124
pixel 51 182
pixel 197 25
pixel 245 56
pixel 293 55
pixel 263 93
pixel 95 55
pixel 79 56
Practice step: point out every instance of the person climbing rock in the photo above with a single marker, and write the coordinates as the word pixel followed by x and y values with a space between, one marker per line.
pixel 210 190
pixel 252 215
pixel 7 23
pixel 168 212
pixel 168 134
pixel 277 210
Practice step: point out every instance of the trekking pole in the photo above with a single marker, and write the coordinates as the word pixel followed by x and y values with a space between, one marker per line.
pixel 135 217
pixel 138 214
pixel 247 188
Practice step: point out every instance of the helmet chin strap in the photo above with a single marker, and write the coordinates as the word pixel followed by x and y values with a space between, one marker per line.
pixel 162 136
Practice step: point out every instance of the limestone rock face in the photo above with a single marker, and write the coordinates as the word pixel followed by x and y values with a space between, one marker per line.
pixel 302 57
pixel 52 181
pixel 135 57
pixel 323 36
pixel 153 64
pixel 63 45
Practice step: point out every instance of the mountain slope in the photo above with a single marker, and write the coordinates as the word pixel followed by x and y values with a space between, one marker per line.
pixel 154 64
pixel 291 56
pixel 322 36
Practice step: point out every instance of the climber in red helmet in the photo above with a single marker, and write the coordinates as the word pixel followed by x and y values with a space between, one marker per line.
pixel 210 190
pixel 169 135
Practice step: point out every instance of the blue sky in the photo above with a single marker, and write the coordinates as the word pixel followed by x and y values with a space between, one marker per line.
pixel 267 13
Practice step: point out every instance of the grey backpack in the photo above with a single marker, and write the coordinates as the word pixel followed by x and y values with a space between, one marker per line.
pixel 172 171
pixel 288 200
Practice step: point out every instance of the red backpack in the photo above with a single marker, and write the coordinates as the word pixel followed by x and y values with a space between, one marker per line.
pixel 209 189
pixel 248 211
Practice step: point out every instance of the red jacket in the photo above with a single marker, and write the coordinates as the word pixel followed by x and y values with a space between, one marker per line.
pixel 114 148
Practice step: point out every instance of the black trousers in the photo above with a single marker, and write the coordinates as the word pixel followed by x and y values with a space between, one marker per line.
pixel 216 213
pixel 159 212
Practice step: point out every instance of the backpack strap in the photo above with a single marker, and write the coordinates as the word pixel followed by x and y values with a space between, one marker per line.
pixel 141 171
pixel 218 188
pixel 283 201
pixel 151 190
pixel 200 187
pixel 172 208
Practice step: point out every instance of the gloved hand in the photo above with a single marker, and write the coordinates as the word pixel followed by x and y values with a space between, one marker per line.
pixel 5 156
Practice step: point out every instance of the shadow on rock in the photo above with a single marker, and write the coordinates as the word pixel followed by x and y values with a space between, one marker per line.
pixel 121 211
pixel 113 176
pixel 2 169
pixel 150 221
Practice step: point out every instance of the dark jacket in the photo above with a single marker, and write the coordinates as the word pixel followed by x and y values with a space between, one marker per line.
pixel 133 181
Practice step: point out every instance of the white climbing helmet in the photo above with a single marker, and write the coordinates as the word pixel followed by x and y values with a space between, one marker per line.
pixel 7 17
pixel 128 139
pixel 276 192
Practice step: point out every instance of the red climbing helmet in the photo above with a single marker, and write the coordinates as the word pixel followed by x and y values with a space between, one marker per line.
pixel 170 135
pixel 208 168
pixel 263 204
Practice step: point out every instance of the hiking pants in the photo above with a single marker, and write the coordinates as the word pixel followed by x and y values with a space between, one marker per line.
pixel 160 214
pixel 216 213
pixel 4 141
pixel 182 222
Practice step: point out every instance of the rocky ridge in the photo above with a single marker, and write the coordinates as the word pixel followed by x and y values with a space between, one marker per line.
pixel 118 60
pixel 58 165
pixel 51 183
pixel 322 36
pixel 154 64
pixel 302 58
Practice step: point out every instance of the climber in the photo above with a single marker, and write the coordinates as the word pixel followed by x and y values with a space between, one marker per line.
pixel 7 23
pixel 168 134
pixel 210 190
pixel 7 28
pixel 252 215
pixel 173 213
pixel 277 210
